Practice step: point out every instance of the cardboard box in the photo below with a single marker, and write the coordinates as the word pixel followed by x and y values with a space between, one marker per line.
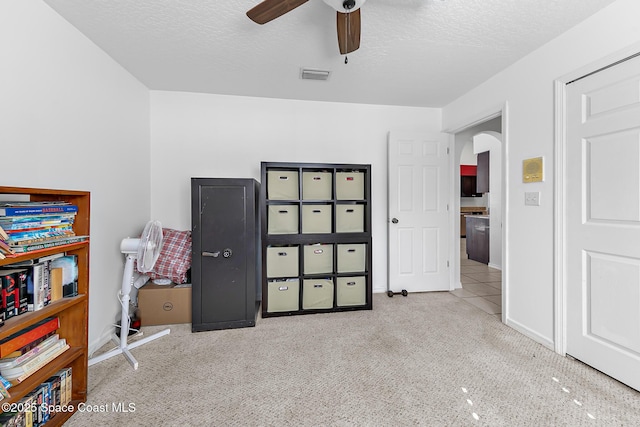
pixel 164 304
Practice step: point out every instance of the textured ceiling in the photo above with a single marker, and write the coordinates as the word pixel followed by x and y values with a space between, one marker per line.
pixel 412 52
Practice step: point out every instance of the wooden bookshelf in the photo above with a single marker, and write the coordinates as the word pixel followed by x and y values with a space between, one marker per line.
pixel 73 312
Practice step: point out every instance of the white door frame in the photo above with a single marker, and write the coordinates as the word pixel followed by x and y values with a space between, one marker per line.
pixel 560 255
pixel 486 115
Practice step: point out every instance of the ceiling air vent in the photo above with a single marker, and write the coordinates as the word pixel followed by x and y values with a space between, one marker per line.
pixel 311 74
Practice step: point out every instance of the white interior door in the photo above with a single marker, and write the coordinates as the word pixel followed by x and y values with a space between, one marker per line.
pixel 418 222
pixel 603 221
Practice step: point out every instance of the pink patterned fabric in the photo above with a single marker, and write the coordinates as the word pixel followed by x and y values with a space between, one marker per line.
pixel 175 256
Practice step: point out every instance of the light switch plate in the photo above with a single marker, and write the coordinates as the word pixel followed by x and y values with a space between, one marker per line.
pixel 532 198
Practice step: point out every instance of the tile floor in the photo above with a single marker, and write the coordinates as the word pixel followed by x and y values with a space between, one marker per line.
pixel 481 284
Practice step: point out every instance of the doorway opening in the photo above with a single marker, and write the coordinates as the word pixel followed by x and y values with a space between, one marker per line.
pixel 478 235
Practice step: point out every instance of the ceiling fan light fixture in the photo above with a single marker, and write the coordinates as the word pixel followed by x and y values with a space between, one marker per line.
pixel 343 5
pixel 314 74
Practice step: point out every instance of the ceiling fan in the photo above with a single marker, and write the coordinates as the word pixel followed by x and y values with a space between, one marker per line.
pixel 347 18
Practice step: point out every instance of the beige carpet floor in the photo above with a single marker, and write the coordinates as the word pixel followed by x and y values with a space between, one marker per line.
pixel 424 360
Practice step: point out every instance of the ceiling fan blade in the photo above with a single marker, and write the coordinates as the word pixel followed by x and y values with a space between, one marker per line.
pixel 348 31
pixel 269 10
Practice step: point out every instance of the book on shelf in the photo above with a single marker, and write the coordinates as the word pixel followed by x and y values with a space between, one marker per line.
pixel 36 287
pixel 12 362
pixel 11 221
pixel 21 292
pixel 4 388
pixel 69 266
pixel 26 348
pixel 39 232
pixel 66 388
pixel 3 233
pixel 37 209
pixel 55 283
pixel 32 261
pixel 29 401
pixel 36 361
pixel 48 244
pixel 55 352
pixel 10 292
pixel 9 224
pixel 26 336
pixel 5 248
pixel 14 291
pixel 39 237
pixel 53 384
pixel 22 203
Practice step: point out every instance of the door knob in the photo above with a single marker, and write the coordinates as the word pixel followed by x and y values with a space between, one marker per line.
pixel 394 220
pixel 211 254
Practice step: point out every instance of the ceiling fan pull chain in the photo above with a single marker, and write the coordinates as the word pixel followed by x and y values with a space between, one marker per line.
pixel 347 31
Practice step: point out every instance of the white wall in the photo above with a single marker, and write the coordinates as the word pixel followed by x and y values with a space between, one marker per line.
pixel 198 135
pixel 71 118
pixel 527 88
pixel 468 157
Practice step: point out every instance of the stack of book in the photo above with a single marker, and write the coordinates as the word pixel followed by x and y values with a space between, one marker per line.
pixel 30 349
pixel 32 284
pixel 52 396
pixel 17 369
pixel 30 226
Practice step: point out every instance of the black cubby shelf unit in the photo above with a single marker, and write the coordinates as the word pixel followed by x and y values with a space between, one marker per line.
pixel 316 238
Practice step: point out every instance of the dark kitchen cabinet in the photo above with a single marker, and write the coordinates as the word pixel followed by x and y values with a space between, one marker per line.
pixel 478 238
pixel 482 179
pixel 225 270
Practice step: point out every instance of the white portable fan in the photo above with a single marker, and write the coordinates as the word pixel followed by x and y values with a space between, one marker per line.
pixel 144 251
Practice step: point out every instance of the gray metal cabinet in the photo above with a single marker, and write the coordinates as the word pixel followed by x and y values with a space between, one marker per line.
pixel 225 270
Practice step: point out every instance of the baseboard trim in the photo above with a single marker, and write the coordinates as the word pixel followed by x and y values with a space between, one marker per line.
pixel 531 334
pixel 104 339
pixel 496 266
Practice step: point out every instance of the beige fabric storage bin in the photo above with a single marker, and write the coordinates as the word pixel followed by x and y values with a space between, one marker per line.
pixel 317 293
pixel 316 219
pixel 351 291
pixel 282 261
pixel 352 258
pixel 283 295
pixel 317 185
pixel 282 185
pixel 350 185
pixel 282 219
pixel 318 259
pixel 349 218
